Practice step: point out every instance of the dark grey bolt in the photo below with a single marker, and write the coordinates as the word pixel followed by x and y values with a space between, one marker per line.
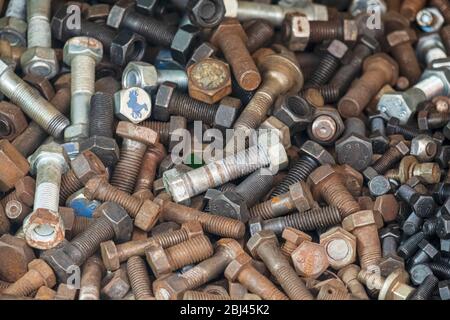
pixel 410 245
pixel 426 253
pixel 419 273
pixel 426 289
pixel 412 224
pixel 423 205
pixel 380 141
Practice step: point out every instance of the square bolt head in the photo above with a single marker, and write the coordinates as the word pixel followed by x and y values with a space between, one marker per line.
pixel 337 49
pixel 110 256
pixel 137 133
pixel 157 260
pixel 162 101
pixel 147 216
pixel 234 268
pixel 302 196
pixel 15 255
pixel 88 165
pixel 387 205
pixel 118 12
pixel 227 113
pixel 358 220
pixel 429 249
pixel 340 247
pixel 310 260
pixel 398 37
pixel 295 236
pixel 279 128
pixel 185 40
pixel 140 74
pixel 127 46
pixel 296 31
pixel 209 80
pixel 259 238
pixel 119 219
pixel 14 166
pixel 52 151
pixel 83 46
pixel 228 26
pixel 40 61
pixel 60 262
pixel 132 104
pixel 317 152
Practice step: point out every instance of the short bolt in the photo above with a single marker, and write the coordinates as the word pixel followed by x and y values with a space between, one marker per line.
pixel 412 224
pixel 31 102
pixel 391 157
pixel 391 288
pixel 82 54
pixel 423 205
pixel 259 34
pixel 139 278
pixel 427 252
pixel 393 126
pixel 91 276
pixel 380 141
pixel 426 289
pixel 409 9
pixel 428 172
pixel 432 120
pixel 407 249
pixel 349 276
pixel 16 15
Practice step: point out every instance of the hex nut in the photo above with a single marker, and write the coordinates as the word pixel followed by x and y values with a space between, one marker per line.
pixel 310 259
pixel 294 111
pixel 15 255
pixel 127 46
pixel 132 104
pixel 340 247
pixel 13 121
pixel 14 166
pixel 87 165
pixel 424 148
pixel 184 42
pixel 140 74
pixel 14 30
pixel 40 61
pixel 103 147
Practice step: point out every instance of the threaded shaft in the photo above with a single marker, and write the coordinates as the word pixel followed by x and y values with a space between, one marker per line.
pixel 26 285
pixel 259 33
pixel 326 30
pixel 255 186
pixel 183 105
pixel 255 111
pixel 168 239
pixel 326 69
pixel 162 128
pixel 80 224
pixel 87 242
pixel 409 247
pixel 263 210
pixel 292 284
pixel 150 162
pixel 425 290
pixel 194 277
pixel 330 93
pixel 198 295
pixel 288 247
pixel 101 115
pixel 226 227
pixel 139 279
pixel 257 283
pixel 107 192
pixel 337 195
pixel 188 252
pixel 69 185
pixel 408 133
pixel 440 269
pixel 299 172
pixel 386 161
pixel 153 30
pixel 4 284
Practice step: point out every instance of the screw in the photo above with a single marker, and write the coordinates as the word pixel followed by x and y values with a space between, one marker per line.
pixel 391 288
pixel 166 130
pixel 144 212
pixel 39 274
pixel 34 135
pixel 378 70
pixel 15 15
pixel 259 34
pixel 31 103
pixel 40 59
pixel 139 279
pixel 218 225
pixel 91 276
pixel 113 255
pixel 407 249
pixel 392 156
pixel 394 127
pixel 185 253
pixel 409 167
pixel 82 54
pixel 242 270
pixel 423 205
pixel 349 275
pixel 173 286
pixel 293 238
pixel 307 221
pixel 136 140
pixel 426 289
pixel 312 155
pixel 264 245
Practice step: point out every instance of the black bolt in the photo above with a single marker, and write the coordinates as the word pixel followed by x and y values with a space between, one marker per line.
pixel 441 192
pixel 426 253
pixel 394 127
pixel 412 224
pixel 429 227
pixel 425 290
pixel 441 269
pixel 422 205
pixel 410 245
pixel 101 115
pixel 380 141
pixel 391 157
pixel 390 237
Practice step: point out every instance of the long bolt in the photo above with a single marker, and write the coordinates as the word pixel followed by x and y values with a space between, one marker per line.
pixel 139 278
pixel 254 187
pixel 91 277
pixel 350 277
pixel 31 102
pixel 264 245
pixel 82 54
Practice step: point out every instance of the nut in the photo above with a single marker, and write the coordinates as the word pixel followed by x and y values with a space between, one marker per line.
pixel 103 147
pixel 183 43
pixel 424 147
pixel 294 111
pixel 14 166
pixel 133 104
pixel 127 46
pixel 40 61
pixel 340 247
pixel 140 74
pixel 310 260
pixel 327 126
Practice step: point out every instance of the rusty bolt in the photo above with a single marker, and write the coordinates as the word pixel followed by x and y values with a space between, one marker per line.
pixel 310 259
pixel 393 287
pixel 349 275
pixel 15 255
pixel 23 192
pixel 340 247
pixel 292 239
pixel 91 276
pixel 387 205
pixel 139 278
pixel 14 165
pixel 12 121
pixel 409 9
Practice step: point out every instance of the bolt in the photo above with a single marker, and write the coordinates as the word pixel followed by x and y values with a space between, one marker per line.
pixel 23 192
pixel 441 269
pixel 82 54
pixel 185 253
pixel 392 156
pixel 293 238
pixel 204 14
pixel 298 198
pixel 349 275
pixel 441 192
pixel 340 247
pixel 426 289
pixel 167 130
pixel 312 155
pixel 14 25
pixel 264 245
pixel 259 34
pixel 444 7
pixel 409 167
pixel 307 221
pixel 113 255
pixel 139 279
pixel 255 187
pixel 423 205
pixel 91 276
pixel 114 222
pixel 394 127
pixel 407 249
pixel 40 59
pixel 39 274
pixel 242 270
pixel 391 288
pixel 192 183
pixel 34 135
pixel 430 48
pixel 44 227
pixel 432 120
pixel 144 212
pixel 218 225
pixel 31 103
pixel 203 296
pixel 378 70
pixel 409 9
pixel 427 252
pixel 173 286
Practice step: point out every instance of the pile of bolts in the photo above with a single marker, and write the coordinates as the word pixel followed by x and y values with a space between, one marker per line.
pixel 351 203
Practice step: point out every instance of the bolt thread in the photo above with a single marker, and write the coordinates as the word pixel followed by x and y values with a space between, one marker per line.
pixel 188 252
pixel 329 293
pixel 288 247
pixel 326 30
pixel 26 285
pixel 97 31
pixel 337 195
pixel 429 227
pixel 437 120
pixel 259 33
pixel 408 133
pixel 326 69
pixel 370 257
pixel 4 222
pixel 194 278
pixel 255 186
pixel 440 269
pixel 409 247
pixel 444 8
pixel 39 32
pixel 69 185
pixel 183 105
pixel 198 295
pixel 162 128
pixel 255 111
pixel 299 172
pixel 4 284
pixel 101 115
pixel 292 284
pixel 388 159
pixel 168 239
pixel 80 224
pixel 226 227
pixel 87 242
pixel 257 283
pixel 330 93
pixel 150 162
pixel 425 290
pixel 127 169
pixel 307 221
pixel 139 279
pixel 107 192
pixel 263 210
pixel 31 102
pixel 153 30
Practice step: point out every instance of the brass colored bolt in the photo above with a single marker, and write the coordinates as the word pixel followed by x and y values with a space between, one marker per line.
pixel 429 173
pixel 241 269
pixel 393 287
pixel 139 279
pixel 349 275
pixel 188 252
pixel 326 183
pixel 39 274
pixel 293 238
pixel 363 226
